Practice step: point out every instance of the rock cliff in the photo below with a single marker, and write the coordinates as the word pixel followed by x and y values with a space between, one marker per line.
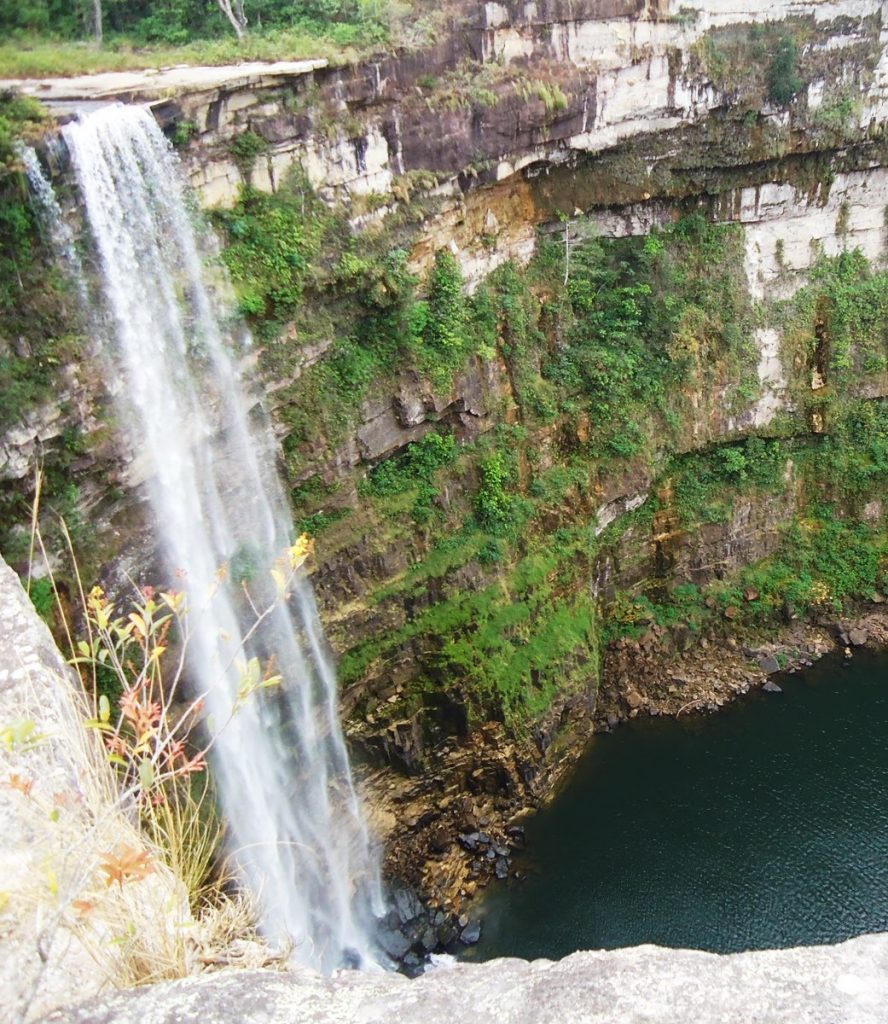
pixel 658 403
pixel 63 936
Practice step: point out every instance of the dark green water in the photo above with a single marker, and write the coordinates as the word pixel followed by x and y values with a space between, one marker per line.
pixel 763 826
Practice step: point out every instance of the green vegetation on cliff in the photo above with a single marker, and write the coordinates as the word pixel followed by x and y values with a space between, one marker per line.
pixel 38 329
pixel 568 440
pixel 40 334
pixel 618 373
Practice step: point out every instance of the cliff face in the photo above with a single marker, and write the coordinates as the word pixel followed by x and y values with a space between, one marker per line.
pixel 669 373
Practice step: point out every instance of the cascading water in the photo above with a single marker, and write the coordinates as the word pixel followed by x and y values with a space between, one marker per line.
pixel 280 763
pixel 51 215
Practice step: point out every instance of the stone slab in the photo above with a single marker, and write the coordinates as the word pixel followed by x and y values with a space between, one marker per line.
pixel 846 983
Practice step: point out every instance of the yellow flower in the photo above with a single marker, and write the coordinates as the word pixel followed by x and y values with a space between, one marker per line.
pixel 298 553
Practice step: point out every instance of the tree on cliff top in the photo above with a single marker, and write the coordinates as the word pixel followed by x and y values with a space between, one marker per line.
pixel 235 14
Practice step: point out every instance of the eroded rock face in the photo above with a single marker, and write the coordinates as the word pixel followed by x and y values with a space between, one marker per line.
pixel 817 985
pixel 57 819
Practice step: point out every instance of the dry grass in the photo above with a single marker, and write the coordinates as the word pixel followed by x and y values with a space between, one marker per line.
pixel 104 881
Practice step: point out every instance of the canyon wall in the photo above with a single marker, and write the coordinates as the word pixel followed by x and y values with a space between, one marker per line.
pixel 658 379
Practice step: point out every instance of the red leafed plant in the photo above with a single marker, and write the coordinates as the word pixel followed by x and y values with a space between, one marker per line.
pixel 149 732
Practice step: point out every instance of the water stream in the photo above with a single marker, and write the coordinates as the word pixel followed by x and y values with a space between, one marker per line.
pixel 201 443
pixel 763 826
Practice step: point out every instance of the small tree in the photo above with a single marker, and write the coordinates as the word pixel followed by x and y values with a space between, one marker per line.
pixel 234 11
pixel 97 21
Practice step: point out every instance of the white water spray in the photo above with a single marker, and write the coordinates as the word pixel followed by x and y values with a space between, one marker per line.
pixel 281 764
pixel 53 221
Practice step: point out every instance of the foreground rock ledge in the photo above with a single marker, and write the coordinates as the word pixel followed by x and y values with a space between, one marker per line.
pixel 843 984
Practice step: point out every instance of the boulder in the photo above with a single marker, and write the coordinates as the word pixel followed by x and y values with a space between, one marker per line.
pixel 516 834
pixel 634 700
pixel 407 904
pixel 471 933
pixel 469 841
pixel 394 942
pixel 682 638
pixel 439 839
pixel 402 743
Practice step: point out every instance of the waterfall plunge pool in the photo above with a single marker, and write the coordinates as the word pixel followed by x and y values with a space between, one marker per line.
pixel 763 826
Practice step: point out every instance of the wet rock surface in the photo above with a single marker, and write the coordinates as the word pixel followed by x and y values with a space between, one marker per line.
pixel 415 928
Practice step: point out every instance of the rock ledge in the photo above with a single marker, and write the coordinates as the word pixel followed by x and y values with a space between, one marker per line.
pixel 809 985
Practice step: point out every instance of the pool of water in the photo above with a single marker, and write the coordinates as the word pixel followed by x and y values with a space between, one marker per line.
pixel 765 825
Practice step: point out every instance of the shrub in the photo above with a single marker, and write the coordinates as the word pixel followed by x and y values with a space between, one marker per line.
pixel 272 242
pixel 445 324
pixel 42 596
pixel 783 80
pixel 495 508
pixel 414 470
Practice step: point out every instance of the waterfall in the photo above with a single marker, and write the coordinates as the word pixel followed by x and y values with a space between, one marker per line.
pixel 280 765
pixel 52 220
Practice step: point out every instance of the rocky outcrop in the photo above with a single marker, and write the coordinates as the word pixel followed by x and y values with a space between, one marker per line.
pixel 676 672
pixel 63 933
pixel 814 984
pixel 35 688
